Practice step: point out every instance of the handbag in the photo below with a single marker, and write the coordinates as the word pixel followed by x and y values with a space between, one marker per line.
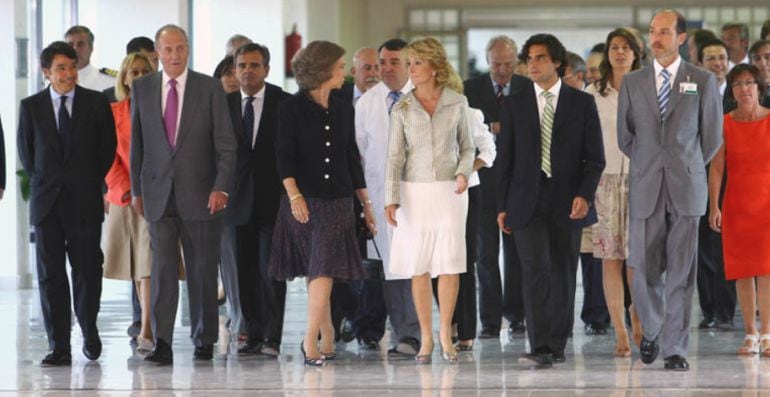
pixel 373 267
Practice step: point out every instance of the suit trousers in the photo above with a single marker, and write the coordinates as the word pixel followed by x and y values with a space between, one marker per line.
pixel 664 242
pixel 549 258
pixel 498 296
pixel 594 309
pixel 136 307
pixel 715 293
pixel 61 235
pixel 228 269
pixel 400 306
pixel 263 300
pixel 201 246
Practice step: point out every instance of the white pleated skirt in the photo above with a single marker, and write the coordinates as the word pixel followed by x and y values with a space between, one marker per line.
pixel 430 236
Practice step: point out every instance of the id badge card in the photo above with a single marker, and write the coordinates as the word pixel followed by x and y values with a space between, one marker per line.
pixel 688 88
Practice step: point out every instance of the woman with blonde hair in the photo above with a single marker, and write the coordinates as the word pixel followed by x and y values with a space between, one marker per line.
pixel 127 253
pixel 430 157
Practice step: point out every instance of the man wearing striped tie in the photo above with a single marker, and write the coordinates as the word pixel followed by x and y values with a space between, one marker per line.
pixel 670 126
pixel 550 159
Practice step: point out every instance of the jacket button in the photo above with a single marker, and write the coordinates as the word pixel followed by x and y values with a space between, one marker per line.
pixel 326 176
pixel 326 160
pixel 326 127
pixel 328 143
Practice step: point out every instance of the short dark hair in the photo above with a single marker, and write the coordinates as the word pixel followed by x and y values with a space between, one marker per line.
pixel 753 70
pixel 224 66
pixel 556 50
pixel 393 45
pixel 576 62
pixel 765 30
pixel 756 46
pixel 78 29
pixel 736 25
pixel 54 49
pixel 599 48
pixel 252 47
pixel 137 44
pixel 709 43
pixel 700 36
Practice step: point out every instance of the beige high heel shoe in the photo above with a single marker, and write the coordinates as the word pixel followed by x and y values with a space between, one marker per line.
pixel 764 345
pixel 750 345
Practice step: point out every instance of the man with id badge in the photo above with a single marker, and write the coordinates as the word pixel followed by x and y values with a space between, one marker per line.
pixel 670 132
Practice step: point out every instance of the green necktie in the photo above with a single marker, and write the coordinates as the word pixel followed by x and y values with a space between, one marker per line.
pixel 546 123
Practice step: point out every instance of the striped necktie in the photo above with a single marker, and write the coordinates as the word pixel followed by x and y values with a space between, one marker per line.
pixel 393 97
pixel 499 94
pixel 664 93
pixel 546 124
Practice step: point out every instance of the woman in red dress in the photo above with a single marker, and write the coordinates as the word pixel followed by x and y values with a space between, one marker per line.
pixel 744 220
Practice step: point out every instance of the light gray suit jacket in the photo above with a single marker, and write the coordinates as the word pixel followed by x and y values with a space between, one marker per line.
pixel 204 158
pixel 678 146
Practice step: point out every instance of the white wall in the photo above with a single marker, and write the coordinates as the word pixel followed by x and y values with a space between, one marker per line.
pixel 214 21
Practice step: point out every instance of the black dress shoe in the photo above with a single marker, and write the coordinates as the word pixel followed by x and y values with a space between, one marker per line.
pixel 162 355
pixel 346 331
pixel 92 348
pixel 559 357
pixel 517 327
pixel 57 359
pixel 251 348
pixel 489 333
pixel 707 323
pixel 676 363
pixel 370 345
pixel 270 348
pixel 595 329
pixel 649 350
pixel 724 325
pixel 539 360
pixel 203 352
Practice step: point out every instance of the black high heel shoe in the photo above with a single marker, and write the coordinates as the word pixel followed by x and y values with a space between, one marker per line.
pixel 315 362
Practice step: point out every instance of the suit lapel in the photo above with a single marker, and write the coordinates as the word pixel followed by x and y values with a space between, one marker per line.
pixel 676 96
pixel 50 130
pixel 156 97
pixel 530 109
pixel 190 95
pixel 489 97
pixel 267 103
pixel 562 108
pixel 236 114
pixel 78 107
pixel 650 92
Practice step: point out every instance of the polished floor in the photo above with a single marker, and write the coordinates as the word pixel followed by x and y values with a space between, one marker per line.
pixel 492 369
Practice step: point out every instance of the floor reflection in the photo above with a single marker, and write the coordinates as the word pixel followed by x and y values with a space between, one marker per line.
pixel 491 369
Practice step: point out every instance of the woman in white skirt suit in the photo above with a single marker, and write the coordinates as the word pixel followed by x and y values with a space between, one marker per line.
pixel 430 156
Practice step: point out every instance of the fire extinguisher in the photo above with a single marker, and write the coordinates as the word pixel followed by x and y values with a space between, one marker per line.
pixel 293 44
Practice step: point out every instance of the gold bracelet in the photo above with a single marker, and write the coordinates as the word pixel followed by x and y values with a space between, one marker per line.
pixel 294 197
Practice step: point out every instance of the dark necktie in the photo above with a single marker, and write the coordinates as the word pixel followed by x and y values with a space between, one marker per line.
pixel 499 94
pixel 248 121
pixel 64 124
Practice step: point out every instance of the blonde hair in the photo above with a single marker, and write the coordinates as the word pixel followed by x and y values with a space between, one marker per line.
pixel 122 91
pixel 431 51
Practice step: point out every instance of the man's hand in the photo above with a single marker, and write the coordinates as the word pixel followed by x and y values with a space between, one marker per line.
pixel 138 205
pixel 501 223
pixel 494 127
pixel 217 202
pixel 579 208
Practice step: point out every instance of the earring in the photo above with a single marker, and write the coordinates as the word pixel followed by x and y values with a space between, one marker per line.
pixel 434 73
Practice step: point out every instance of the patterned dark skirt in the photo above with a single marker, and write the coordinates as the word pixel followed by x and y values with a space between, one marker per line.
pixel 326 246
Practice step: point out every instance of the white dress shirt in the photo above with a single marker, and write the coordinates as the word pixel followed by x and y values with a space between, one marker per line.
pixel 673 69
pixel 372 123
pixel 541 99
pixel 181 81
pixel 91 78
pixel 484 142
pixel 731 65
pixel 258 104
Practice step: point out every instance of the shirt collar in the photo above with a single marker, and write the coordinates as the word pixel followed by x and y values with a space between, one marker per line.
pixel 55 95
pixel 553 90
pixel 673 68
pixel 180 80
pixel 86 69
pixel 356 92
pixel 495 84
pixel 259 95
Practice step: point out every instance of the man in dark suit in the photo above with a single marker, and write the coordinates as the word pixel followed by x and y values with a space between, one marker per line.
pixel 496 298
pixel 66 144
pixel 254 199
pixel 182 164
pixel 550 159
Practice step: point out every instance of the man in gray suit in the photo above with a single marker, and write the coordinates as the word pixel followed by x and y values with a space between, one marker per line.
pixel 669 133
pixel 182 165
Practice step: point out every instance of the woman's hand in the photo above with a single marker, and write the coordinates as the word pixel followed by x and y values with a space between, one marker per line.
pixel 462 184
pixel 371 223
pixel 299 210
pixel 715 220
pixel 390 214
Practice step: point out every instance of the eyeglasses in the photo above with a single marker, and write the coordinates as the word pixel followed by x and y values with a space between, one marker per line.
pixel 744 83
